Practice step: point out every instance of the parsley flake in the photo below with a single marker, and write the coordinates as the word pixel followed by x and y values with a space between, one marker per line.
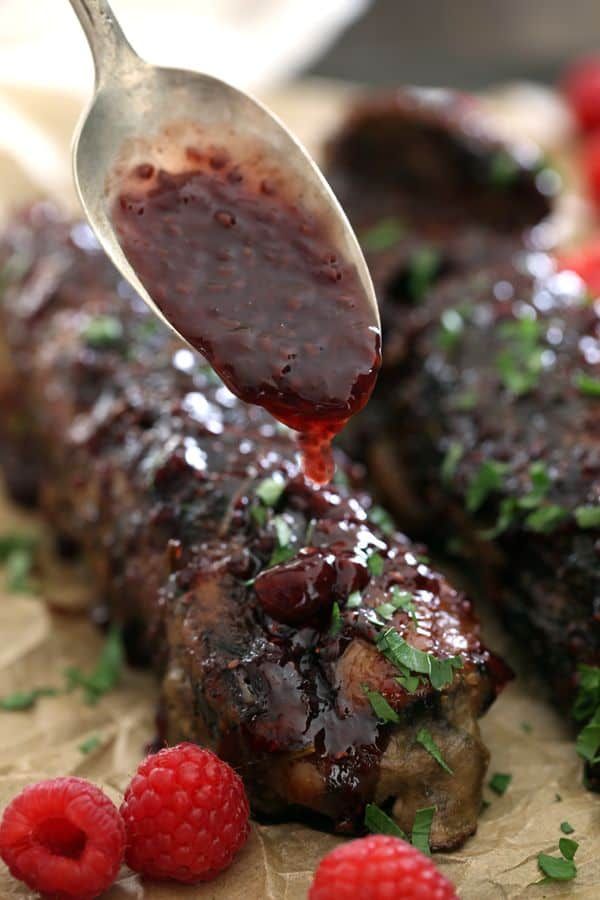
pixel 422 829
pixel 519 364
pixel 378 822
pixel 566 828
pixel 424 266
pixel 410 683
pixel 487 480
pixel 452 327
pixel 103 332
pixel 425 738
pixel 284 551
pixel 354 600
pixel 90 744
pixel 107 672
pixel 568 847
pixel 383 235
pixel 546 518
pixel 380 706
pixel 503 169
pixel 587 384
pixel 588 739
pixel 17 552
pixel 336 620
pixel 270 490
pixel 405 657
pixel 499 782
pixel 555 868
pixel 375 564
pixel 588 516
pixel 22 700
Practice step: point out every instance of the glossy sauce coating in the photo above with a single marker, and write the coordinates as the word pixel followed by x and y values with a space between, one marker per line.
pixel 253 282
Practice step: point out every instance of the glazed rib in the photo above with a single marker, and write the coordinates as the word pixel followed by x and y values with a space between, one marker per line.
pixel 486 413
pixel 187 505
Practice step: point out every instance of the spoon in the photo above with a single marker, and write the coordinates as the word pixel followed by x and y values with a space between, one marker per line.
pixel 133 99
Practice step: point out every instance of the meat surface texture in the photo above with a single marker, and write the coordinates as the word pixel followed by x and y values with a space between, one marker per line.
pixel 485 426
pixel 267 608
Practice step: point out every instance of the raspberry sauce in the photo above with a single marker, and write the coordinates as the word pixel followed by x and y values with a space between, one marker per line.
pixel 254 282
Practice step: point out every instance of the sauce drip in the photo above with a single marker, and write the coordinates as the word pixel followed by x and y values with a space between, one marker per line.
pixel 252 281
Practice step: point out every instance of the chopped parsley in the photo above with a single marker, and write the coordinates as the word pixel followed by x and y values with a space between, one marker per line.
pixel 588 739
pixel 499 782
pixel 354 600
pixel 424 266
pixel 375 563
pixel 103 332
pixel 336 620
pixel 284 551
pixel 587 384
pixel 384 234
pixel 411 660
pixel 410 683
pixel 454 454
pixel 378 822
pixel 425 738
pixel 398 600
pixel 519 364
pixel 546 518
pixel 566 828
pixel 381 517
pixel 270 490
pixel 588 516
pixel 422 829
pixel 464 401
pixel 487 480
pixel 540 485
pixel 380 706
pixel 107 672
pixel 17 553
pixel 526 727
pixel 22 700
pixel 560 868
pixel 503 169
pixel 90 744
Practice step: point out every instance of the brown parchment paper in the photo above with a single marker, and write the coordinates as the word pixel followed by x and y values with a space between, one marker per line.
pixel 42 634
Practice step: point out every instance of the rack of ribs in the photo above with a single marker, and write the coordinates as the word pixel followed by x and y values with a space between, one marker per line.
pixel 277 617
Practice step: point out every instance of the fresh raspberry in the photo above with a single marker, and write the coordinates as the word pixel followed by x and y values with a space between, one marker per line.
pixel 590 164
pixel 64 838
pixel 581 87
pixel 379 867
pixel 186 815
pixel 586 262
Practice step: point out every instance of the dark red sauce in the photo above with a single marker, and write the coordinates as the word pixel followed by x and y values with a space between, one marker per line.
pixel 254 283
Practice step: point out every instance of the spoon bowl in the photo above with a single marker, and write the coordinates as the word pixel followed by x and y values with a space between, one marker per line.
pixel 134 100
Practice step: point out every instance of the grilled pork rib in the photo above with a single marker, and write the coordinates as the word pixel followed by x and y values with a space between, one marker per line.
pixel 487 408
pixel 253 596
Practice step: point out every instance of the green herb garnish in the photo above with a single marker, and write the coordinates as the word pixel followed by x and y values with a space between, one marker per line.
pixel 270 490
pixel 384 234
pixel 375 563
pixel 381 707
pixel 108 670
pixel 90 744
pixel 520 362
pixel 381 517
pixel 453 456
pixel 588 516
pixel 568 847
pixel 546 518
pixel 379 822
pixel 17 552
pixel 354 600
pixel 410 683
pixel 409 659
pixel 336 620
pixel 555 868
pixel 259 515
pixel 588 739
pixel 452 327
pixel 499 782
pixel 587 384
pixel 103 332
pixel 284 551
pixel 540 485
pixel 566 828
pixel 22 700
pixel 503 170
pixel 487 480
pixel 425 738
pixel 464 401
pixel 422 829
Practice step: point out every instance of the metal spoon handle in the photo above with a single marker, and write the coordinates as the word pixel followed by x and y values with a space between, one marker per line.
pixel 110 48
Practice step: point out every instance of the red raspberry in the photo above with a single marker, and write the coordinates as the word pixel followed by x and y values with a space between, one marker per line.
pixel 379 867
pixel 590 163
pixel 64 838
pixel 586 262
pixel 186 815
pixel 581 87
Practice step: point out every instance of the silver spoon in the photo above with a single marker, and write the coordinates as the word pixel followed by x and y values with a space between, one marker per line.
pixel 133 99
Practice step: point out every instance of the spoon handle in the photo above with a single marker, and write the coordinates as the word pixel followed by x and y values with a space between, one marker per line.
pixel 110 48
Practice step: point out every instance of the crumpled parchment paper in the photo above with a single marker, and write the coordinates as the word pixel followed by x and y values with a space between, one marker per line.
pixel 41 635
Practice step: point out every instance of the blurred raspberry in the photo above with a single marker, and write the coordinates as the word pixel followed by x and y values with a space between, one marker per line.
pixel 590 164
pixel 581 87
pixel 379 867
pixel 64 838
pixel 186 815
